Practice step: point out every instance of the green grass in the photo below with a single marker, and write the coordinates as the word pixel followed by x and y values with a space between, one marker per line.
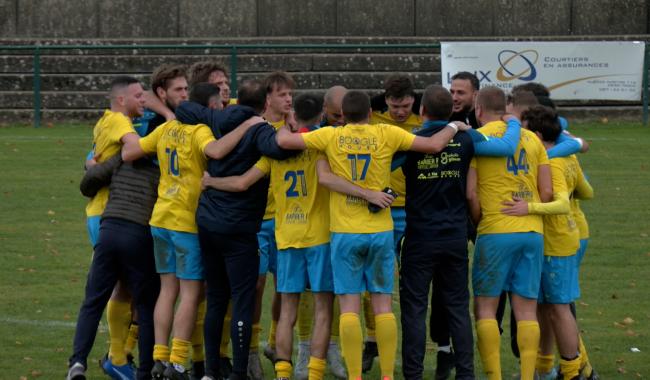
pixel 45 252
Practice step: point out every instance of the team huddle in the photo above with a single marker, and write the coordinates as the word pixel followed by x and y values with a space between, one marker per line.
pixel 195 197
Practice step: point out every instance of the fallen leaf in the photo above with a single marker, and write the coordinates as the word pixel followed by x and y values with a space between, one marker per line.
pixel 58 349
pixel 619 325
pixel 621 370
pixel 631 333
pixel 19 343
pixel 50 212
pixel 66 316
pixel 632 284
pixel 583 304
pixel 27 358
pixel 628 321
pixel 643 234
pixel 36 373
pixel 23 378
pixel 620 361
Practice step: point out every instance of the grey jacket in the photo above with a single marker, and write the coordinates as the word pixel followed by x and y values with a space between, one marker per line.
pixel 133 187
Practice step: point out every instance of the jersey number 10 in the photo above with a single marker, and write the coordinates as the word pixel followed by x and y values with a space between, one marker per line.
pixel 172 158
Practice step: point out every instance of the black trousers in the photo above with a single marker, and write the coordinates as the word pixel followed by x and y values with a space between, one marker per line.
pixel 231 264
pixel 124 250
pixel 444 263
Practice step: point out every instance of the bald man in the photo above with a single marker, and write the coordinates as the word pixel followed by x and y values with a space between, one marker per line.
pixel 332 114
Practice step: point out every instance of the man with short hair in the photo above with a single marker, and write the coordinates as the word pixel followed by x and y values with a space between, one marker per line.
pixel 182 151
pixel 464 88
pixel 228 224
pixel 279 97
pixel 111 131
pixel 508 249
pixel 332 114
pixel 362 240
pixel 214 73
pixel 561 243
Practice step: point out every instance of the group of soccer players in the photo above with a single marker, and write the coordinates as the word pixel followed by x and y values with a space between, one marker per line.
pixel 195 197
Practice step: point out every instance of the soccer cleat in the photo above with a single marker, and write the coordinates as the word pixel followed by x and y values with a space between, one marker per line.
pixel 301 370
pixel 444 364
pixel 551 375
pixel 208 377
pixel 281 378
pixel 121 372
pixel 254 371
pixel 76 372
pixel 369 354
pixel 225 366
pixel 269 352
pixel 593 376
pixel 175 373
pixel 198 370
pixel 335 362
pixel 158 370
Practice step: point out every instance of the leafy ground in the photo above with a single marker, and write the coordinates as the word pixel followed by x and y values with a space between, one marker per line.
pixel 45 253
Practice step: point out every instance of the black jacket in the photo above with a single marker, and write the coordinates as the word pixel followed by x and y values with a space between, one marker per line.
pixel 221 211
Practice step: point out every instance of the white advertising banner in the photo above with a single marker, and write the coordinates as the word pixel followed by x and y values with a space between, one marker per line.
pixel 607 70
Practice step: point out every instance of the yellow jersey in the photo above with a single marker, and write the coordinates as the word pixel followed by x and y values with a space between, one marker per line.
pixel 269 212
pixel 301 205
pixel 180 149
pixel 561 235
pixel 107 142
pixel 502 178
pixel 583 190
pixel 362 154
pixel 397 179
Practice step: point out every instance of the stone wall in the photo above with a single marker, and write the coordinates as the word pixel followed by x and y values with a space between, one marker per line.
pixel 263 18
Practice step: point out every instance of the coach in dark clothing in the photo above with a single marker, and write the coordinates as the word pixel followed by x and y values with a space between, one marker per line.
pixel 435 245
pixel 228 225
pixel 124 250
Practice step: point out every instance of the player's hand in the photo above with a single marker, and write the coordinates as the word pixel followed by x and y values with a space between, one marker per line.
pixel 516 207
pixel 462 126
pixel 508 117
pixel 254 120
pixel 205 181
pixel 93 161
pixel 379 198
pixel 291 122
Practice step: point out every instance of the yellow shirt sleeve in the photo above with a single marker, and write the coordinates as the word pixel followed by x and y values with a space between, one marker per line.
pixel 149 143
pixel 318 139
pixel 401 139
pixel 121 127
pixel 264 164
pixel 542 157
pixel 202 137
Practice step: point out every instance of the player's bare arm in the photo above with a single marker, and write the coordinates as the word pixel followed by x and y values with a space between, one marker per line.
pixel 335 183
pixel 152 102
pixel 288 140
pixel 233 184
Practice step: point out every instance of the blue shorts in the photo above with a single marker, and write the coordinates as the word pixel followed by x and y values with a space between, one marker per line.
pixel 177 252
pixel 558 277
pixel 92 224
pixel 508 262
pixel 268 247
pixel 399 224
pixel 301 268
pixel 363 262
pixel 578 258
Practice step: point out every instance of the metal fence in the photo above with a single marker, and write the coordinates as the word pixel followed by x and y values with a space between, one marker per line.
pixel 234 50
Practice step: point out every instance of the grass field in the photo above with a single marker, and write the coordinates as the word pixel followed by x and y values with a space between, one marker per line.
pixel 45 253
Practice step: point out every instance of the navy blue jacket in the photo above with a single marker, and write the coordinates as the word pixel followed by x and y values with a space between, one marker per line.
pixel 221 211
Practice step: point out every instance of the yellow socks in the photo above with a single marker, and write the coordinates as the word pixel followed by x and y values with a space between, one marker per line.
pixel 255 338
pixel 283 368
pixel 489 342
pixel 316 368
pixel 225 334
pixel 274 326
pixel 161 352
pixel 570 368
pixel 528 342
pixel 336 313
pixel 197 335
pixel 369 317
pixel 585 365
pixel 131 339
pixel 180 352
pixel 351 341
pixel 118 315
pixel 305 315
pixel 386 334
pixel 545 363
